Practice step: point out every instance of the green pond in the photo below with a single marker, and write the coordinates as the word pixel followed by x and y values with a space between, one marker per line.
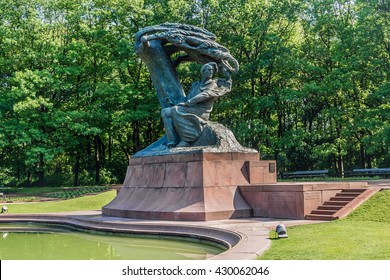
pixel 43 242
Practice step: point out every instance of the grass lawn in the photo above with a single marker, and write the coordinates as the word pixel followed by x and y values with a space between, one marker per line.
pixel 34 190
pixel 90 202
pixel 363 235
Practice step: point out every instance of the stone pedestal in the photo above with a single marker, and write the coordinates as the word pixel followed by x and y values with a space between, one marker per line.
pixel 292 200
pixel 190 186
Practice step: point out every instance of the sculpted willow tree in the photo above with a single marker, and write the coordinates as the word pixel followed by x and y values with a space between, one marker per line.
pixel 186 116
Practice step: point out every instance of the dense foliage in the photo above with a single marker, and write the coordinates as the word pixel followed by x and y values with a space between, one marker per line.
pixel 313 90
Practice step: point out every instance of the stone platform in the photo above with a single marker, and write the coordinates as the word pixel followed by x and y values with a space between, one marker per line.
pixel 190 187
pixel 292 200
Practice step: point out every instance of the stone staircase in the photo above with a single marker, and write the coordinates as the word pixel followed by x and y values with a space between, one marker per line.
pixel 341 204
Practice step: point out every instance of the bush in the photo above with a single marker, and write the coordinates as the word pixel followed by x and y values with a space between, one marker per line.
pixel 72 193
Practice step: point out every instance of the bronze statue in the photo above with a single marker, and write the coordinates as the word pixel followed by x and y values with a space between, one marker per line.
pixel 185 121
pixel 186 117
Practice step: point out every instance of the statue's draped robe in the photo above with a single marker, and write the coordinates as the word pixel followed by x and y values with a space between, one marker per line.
pixel 189 121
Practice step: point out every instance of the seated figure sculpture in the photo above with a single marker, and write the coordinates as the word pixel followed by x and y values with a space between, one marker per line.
pixel 186 116
pixel 185 121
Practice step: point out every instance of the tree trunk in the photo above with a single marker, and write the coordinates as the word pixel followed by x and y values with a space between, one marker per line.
pixel 369 161
pixel 76 171
pixel 41 172
pixel 97 161
pixel 340 162
pixel 28 182
pixel 336 166
pixel 109 147
pixel 362 157
pixel 136 137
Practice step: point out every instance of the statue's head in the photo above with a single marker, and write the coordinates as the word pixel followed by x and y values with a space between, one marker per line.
pixel 208 70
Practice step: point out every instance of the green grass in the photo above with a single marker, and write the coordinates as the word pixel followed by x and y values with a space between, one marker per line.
pixel 90 202
pixel 363 235
pixel 33 193
pixel 53 191
pixel 33 190
pixel 20 199
pixel 376 209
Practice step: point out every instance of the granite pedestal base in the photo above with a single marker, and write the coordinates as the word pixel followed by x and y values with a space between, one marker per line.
pixel 191 186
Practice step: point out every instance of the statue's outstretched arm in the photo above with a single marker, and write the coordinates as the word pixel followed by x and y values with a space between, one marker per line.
pixel 203 96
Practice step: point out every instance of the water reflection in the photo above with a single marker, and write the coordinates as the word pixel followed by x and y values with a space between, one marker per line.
pixel 58 244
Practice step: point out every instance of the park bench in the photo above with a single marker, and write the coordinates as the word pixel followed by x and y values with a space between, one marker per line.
pixel 305 174
pixel 382 172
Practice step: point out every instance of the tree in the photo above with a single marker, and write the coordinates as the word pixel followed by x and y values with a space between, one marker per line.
pixel 75 101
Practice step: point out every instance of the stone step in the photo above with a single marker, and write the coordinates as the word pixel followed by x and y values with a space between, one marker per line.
pixel 320 217
pixel 354 190
pixel 330 207
pixel 342 198
pixel 323 212
pixel 353 204
pixel 338 203
pixel 341 205
pixel 354 194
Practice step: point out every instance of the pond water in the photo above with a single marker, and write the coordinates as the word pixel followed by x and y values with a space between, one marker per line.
pixel 43 242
